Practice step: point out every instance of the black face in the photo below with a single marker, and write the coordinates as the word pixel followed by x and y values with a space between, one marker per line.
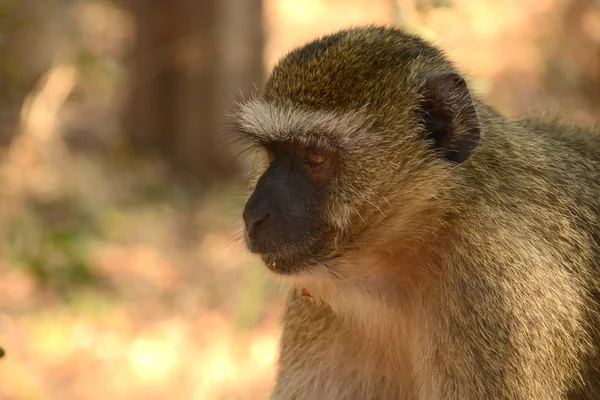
pixel 284 216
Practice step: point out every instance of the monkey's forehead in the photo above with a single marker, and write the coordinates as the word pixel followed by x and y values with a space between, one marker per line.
pixel 361 67
pixel 337 89
pixel 266 122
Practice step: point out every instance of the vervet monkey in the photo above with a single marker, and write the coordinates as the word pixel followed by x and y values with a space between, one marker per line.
pixel 437 249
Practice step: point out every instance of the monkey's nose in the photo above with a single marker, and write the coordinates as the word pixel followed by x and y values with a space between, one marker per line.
pixel 257 222
pixel 256 217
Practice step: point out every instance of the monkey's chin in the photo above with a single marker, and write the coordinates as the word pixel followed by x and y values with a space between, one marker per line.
pixel 284 259
pixel 284 265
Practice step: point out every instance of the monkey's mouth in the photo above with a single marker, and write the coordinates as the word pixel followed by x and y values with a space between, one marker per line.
pixel 283 258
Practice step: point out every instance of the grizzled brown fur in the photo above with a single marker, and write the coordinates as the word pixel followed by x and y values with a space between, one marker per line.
pixel 442 277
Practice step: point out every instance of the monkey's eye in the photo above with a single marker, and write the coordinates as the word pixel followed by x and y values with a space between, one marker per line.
pixel 314 156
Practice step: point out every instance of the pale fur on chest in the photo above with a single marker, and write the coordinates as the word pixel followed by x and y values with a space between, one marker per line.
pixel 384 317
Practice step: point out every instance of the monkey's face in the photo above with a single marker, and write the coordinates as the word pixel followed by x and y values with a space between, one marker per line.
pixel 362 131
pixel 284 217
pixel 329 185
pixel 338 184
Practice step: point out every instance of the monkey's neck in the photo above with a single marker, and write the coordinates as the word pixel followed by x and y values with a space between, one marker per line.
pixel 375 286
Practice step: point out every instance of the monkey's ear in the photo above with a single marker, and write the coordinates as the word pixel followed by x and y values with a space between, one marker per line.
pixel 449 117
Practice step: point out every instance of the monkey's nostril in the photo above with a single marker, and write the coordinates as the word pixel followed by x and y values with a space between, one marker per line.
pixel 255 218
pixel 262 220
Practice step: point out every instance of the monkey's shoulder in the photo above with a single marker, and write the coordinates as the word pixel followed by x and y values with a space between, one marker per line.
pixel 584 141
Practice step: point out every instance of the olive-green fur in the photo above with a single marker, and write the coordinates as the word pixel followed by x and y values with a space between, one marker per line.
pixel 478 280
pixel 353 69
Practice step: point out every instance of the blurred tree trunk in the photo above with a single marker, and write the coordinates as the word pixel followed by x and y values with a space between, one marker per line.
pixel 192 57
pixel 27 45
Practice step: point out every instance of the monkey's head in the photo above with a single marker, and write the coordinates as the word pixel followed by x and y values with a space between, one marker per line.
pixel 358 133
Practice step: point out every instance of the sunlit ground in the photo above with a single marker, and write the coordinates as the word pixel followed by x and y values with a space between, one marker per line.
pixel 167 303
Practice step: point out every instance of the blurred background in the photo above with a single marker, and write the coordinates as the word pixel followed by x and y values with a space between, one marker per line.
pixel 122 272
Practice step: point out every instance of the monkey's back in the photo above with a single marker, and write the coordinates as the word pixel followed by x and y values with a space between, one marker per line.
pixel 540 207
pixel 574 166
pixel 543 169
pixel 582 163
